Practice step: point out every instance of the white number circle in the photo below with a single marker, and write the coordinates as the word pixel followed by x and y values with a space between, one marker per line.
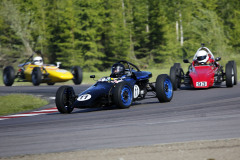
pixel 136 91
pixel 84 97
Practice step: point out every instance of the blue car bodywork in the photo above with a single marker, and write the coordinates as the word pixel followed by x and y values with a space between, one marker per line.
pixel 100 93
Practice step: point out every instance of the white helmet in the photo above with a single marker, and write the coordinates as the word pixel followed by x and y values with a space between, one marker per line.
pixel 38 60
pixel 202 56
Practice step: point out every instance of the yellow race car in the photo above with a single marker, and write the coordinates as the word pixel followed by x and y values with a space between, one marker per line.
pixel 33 70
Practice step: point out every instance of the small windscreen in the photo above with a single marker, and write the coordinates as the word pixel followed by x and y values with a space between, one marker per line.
pixel 200 58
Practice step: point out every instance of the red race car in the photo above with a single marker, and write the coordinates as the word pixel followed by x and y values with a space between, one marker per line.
pixel 204 71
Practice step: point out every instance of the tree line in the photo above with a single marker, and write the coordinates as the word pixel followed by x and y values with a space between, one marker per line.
pixel 96 33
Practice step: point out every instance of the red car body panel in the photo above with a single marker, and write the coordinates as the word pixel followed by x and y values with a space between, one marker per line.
pixel 202 76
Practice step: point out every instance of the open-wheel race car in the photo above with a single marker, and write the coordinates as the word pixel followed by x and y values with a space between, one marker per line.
pixel 35 71
pixel 204 71
pixel 126 84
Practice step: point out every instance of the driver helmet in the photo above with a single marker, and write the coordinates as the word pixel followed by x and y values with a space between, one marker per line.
pixel 38 60
pixel 202 56
pixel 118 70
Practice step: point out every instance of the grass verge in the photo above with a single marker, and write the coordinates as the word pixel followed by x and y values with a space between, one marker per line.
pixel 14 103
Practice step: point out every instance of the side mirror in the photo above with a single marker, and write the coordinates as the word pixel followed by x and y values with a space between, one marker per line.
pixel 218 58
pixel 92 76
pixel 186 61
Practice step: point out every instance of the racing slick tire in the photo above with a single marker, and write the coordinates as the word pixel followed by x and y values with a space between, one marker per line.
pixel 77 75
pixel 235 72
pixel 177 65
pixel 65 97
pixel 175 76
pixel 8 76
pixel 229 74
pixel 164 88
pixel 180 77
pixel 123 95
pixel 36 76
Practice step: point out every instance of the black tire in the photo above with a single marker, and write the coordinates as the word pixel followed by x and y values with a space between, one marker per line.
pixel 77 75
pixel 65 97
pixel 123 95
pixel 179 74
pixel 8 76
pixel 36 76
pixel 180 77
pixel 174 78
pixel 235 72
pixel 177 65
pixel 229 74
pixel 164 88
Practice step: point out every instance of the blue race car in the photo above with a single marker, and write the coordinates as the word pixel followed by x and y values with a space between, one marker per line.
pixel 125 85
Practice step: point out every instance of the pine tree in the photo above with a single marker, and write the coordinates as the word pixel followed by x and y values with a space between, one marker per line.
pixel 140 29
pixel 229 12
pixel 115 37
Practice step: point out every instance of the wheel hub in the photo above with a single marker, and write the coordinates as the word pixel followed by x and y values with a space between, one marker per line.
pixel 166 88
pixel 125 95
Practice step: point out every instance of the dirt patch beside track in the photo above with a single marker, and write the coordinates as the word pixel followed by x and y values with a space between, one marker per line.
pixel 200 150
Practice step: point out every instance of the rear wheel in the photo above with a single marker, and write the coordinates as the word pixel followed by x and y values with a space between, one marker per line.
pixel 229 74
pixel 65 97
pixel 123 95
pixel 164 88
pixel 8 76
pixel 235 72
pixel 77 74
pixel 36 76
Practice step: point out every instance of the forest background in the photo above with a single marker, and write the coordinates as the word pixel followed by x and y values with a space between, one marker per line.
pixel 96 33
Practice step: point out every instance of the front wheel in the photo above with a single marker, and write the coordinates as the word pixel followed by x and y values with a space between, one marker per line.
pixel 230 77
pixel 77 75
pixel 176 73
pixel 65 97
pixel 8 76
pixel 235 72
pixel 123 95
pixel 164 88
pixel 36 76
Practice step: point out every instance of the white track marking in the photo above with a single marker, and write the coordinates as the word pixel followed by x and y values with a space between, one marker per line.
pixel 29 114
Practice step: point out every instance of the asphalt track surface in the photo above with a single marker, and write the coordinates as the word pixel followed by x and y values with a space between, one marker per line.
pixel 205 114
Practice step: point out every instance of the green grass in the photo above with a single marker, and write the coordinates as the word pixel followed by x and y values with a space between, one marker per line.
pixel 14 103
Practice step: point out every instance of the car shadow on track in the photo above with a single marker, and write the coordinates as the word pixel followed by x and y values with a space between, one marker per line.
pixel 86 110
pixel 105 108
pixel 113 107
pixel 189 88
